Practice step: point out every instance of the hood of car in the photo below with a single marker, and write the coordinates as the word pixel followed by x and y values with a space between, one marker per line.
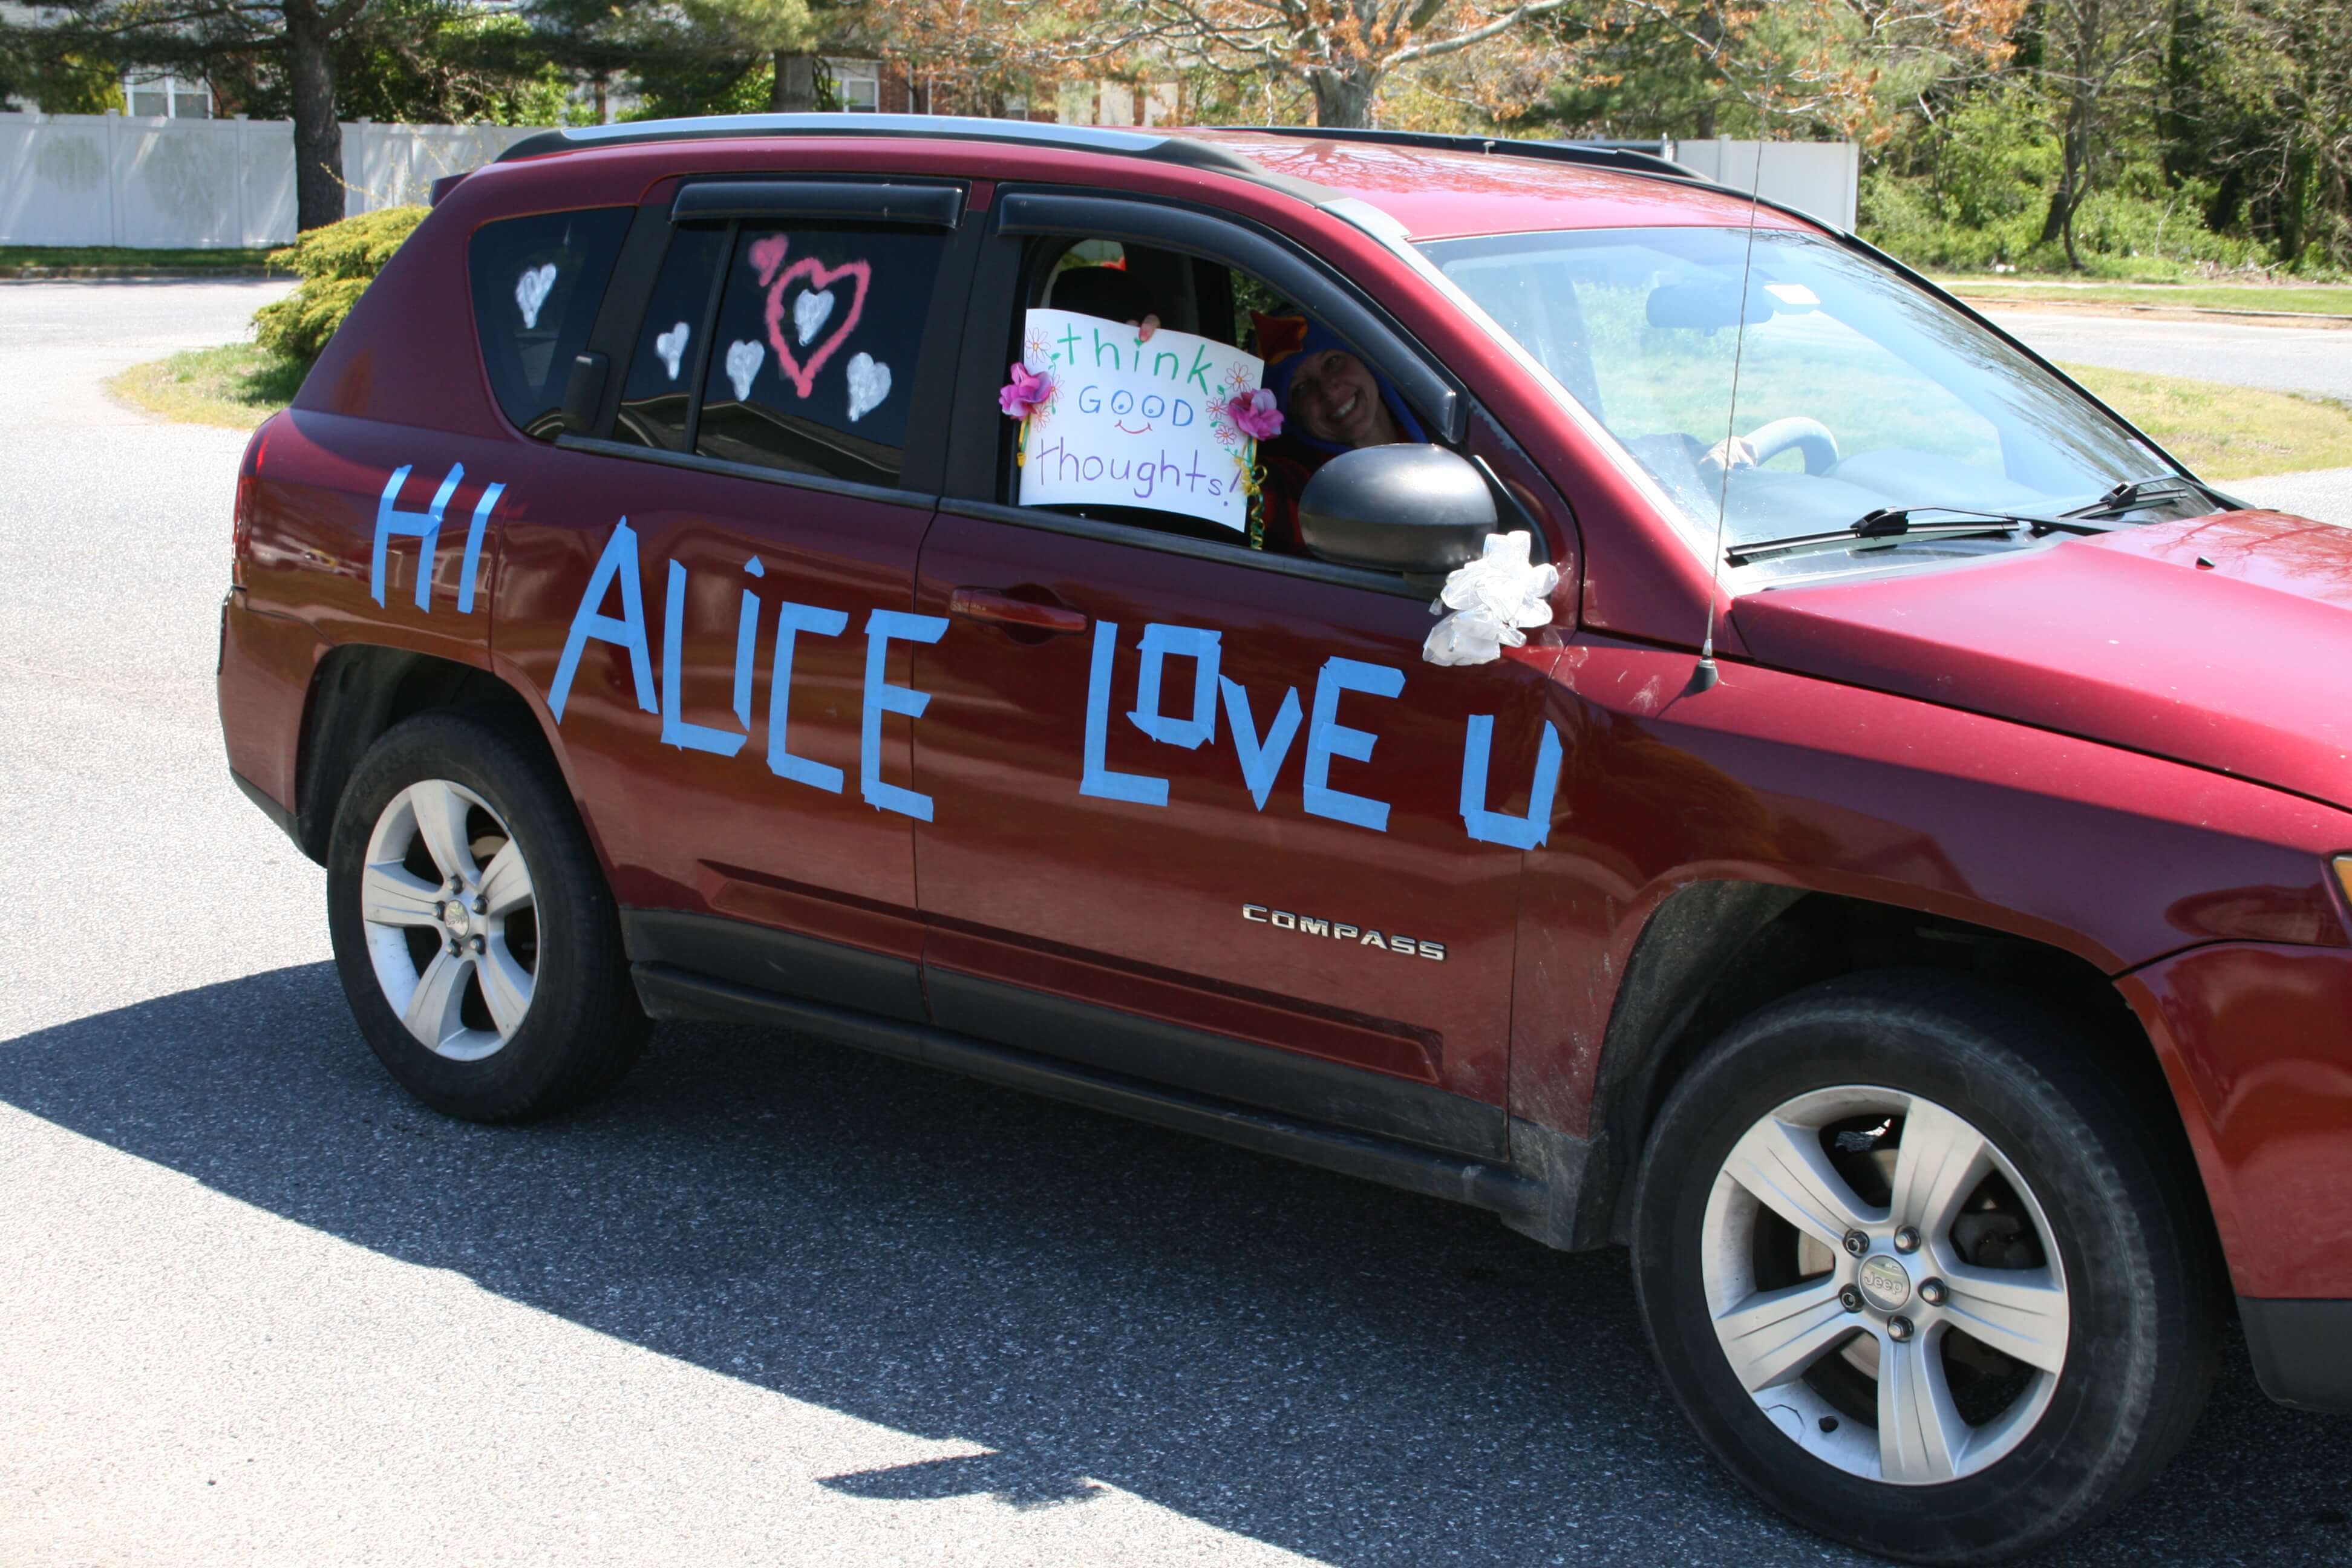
pixel 2224 642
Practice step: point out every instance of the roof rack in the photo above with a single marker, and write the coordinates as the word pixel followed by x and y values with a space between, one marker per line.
pixel 1191 151
pixel 1628 157
pixel 1633 158
pixel 948 127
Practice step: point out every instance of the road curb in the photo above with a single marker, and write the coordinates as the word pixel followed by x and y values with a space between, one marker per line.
pixel 2098 307
pixel 131 274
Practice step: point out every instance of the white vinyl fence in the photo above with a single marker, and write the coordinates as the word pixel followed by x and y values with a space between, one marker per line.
pixel 1819 178
pixel 159 184
pixel 107 179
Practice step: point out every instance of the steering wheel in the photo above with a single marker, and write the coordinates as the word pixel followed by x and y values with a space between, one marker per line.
pixel 1810 436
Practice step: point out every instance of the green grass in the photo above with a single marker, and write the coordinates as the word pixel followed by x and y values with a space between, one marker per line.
pixel 1656 381
pixel 2330 299
pixel 2227 432
pixel 236 385
pixel 124 258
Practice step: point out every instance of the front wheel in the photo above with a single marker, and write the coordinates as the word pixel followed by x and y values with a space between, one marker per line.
pixel 1918 1274
pixel 473 930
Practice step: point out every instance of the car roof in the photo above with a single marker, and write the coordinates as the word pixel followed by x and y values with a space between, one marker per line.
pixel 1434 186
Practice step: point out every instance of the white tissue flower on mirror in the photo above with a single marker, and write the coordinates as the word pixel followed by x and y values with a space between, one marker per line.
pixel 1491 600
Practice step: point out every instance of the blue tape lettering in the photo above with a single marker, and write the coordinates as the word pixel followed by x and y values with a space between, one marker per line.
pixel 791 620
pixel 881 628
pixel 677 729
pixel 1500 826
pixel 1261 759
pixel 1096 778
pixel 747 630
pixel 482 510
pixel 588 621
pixel 1328 738
pixel 425 526
pixel 1161 643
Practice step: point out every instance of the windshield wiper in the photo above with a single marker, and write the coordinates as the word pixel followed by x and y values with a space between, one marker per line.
pixel 2133 494
pixel 1901 522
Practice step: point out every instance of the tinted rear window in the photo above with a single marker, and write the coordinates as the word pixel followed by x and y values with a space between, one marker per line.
pixel 669 354
pixel 813 362
pixel 537 283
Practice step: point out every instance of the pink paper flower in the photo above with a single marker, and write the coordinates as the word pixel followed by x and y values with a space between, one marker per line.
pixel 1024 393
pixel 1254 415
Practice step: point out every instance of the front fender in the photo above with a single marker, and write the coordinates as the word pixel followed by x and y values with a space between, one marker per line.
pixel 2256 1041
pixel 1798 783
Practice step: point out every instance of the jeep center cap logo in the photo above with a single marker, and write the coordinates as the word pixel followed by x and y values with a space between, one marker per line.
pixel 1884 1281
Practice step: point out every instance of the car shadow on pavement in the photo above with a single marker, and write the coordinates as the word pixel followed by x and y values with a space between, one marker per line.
pixel 1360 1375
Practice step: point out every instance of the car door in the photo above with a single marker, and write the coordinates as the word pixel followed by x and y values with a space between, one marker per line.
pixel 746 489
pixel 1198 812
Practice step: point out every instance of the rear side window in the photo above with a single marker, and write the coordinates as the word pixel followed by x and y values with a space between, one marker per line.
pixel 815 355
pixel 537 283
pixel 666 364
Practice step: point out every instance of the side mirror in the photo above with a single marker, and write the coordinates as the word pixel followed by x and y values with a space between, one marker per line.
pixel 1406 508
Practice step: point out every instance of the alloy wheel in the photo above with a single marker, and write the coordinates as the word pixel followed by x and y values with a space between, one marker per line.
pixel 452 924
pixel 1884 1285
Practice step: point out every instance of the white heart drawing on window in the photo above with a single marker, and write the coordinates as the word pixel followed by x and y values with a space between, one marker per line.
pixel 869 384
pixel 810 312
pixel 531 292
pixel 671 346
pixel 743 360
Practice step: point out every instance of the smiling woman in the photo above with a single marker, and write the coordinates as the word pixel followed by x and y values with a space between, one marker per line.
pixel 1334 400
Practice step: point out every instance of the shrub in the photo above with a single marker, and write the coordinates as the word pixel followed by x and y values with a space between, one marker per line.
pixel 336 263
pixel 2134 229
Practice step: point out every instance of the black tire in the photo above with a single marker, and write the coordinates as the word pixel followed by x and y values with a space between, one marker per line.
pixel 583 1028
pixel 2140 1271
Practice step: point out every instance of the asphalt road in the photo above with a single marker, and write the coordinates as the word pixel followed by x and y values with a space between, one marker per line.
pixel 2311 360
pixel 2283 358
pixel 769 1302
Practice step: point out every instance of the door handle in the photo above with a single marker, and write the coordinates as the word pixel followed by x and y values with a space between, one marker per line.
pixel 1002 609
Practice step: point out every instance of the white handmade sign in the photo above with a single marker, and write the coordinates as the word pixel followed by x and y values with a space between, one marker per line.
pixel 1126 422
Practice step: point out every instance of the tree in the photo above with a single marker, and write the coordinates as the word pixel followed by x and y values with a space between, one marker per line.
pixel 976 56
pixel 785 31
pixel 2308 153
pixel 802 84
pixel 297 36
pixel 1847 69
pixel 1341 51
pixel 316 61
pixel 57 82
pixel 2257 99
pixel 2094 53
pixel 699 56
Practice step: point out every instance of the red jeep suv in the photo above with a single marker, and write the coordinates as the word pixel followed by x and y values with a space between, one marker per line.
pixel 1889 871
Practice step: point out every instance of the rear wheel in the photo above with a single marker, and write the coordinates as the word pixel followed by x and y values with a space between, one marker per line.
pixel 475 938
pixel 1918 1274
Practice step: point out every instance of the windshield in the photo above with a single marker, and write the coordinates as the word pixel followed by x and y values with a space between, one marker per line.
pixel 1856 389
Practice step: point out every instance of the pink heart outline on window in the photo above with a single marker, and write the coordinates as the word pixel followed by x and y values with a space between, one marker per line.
pixel 819 276
pixel 767 254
